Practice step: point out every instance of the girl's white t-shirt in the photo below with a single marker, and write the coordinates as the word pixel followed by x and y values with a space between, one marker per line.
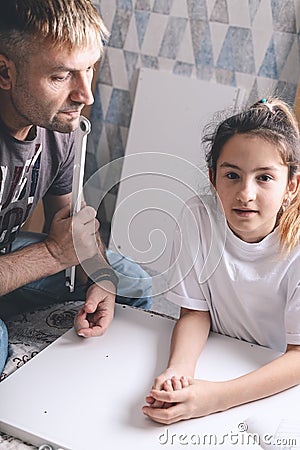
pixel 251 291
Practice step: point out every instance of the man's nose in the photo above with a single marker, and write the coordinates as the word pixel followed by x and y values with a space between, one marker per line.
pixel 82 91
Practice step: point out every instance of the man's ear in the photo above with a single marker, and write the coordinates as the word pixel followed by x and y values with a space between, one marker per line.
pixel 6 70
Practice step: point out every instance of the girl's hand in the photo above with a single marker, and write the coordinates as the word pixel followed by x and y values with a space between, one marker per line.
pixel 198 399
pixel 170 379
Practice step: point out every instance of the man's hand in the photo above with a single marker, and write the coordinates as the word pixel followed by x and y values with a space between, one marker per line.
pixel 98 311
pixel 73 238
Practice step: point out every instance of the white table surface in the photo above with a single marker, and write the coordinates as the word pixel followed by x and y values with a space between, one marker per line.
pixel 83 394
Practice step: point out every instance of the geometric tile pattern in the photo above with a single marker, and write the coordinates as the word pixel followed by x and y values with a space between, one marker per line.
pixel 254 44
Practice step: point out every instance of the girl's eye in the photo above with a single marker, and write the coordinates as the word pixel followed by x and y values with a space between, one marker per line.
pixel 265 178
pixel 232 175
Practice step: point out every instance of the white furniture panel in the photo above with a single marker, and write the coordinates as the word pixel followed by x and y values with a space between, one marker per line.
pixel 82 394
pixel 164 163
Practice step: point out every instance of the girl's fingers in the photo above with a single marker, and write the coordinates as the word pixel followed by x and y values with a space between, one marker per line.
pixel 168 386
pixel 184 382
pixel 176 383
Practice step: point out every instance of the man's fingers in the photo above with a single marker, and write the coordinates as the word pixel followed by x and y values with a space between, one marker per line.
pixel 63 213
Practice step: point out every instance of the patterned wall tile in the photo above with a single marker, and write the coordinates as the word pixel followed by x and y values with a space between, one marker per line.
pixel 218 33
pixel 210 4
pixel 150 62
pixel 205 53
pixel 172 37
pixel 119 110
pixel 283 43
pixel 104 76
pixel 184 69
pixel 297 15
pixel 269 64
pixel 124 4
pixel 141 19
pixel 143 5
pixel 237 52
pixel 114 139
pixel 118 68
pixel 204 72
pixel 120 28
pixel 284 16
pixel 262 31
pixel 253 7
pixel 185 53
pixel 131 61
pixel 162 6
pixel 289 70
pixel 198 30
pixel 103 93
pixel 132 41
pixel 154 34
pixel 107 10
pixel 286 90
pixel 220 12
pixel 197 9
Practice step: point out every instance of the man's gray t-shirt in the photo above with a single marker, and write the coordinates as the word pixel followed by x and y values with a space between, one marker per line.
pixel 28 171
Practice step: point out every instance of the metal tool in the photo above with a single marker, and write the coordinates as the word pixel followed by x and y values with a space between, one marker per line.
pixel 77 185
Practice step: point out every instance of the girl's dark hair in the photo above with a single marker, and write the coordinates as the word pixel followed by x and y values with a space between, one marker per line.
pixel 273 120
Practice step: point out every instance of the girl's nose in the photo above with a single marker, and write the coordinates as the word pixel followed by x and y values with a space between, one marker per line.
pixel 246 193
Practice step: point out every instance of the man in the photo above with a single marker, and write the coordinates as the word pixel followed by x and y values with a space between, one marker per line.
pixel 48 50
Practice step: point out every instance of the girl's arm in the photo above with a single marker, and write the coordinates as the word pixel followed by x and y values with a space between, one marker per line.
pixel 188 339
pixel 201 397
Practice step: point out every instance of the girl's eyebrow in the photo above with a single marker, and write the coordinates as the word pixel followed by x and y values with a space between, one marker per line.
pixel 256 169
pixel 232 166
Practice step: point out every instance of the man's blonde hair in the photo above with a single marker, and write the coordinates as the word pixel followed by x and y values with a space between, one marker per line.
pixel 62 23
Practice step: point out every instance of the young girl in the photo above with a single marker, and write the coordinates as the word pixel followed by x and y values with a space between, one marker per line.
pixel 253 291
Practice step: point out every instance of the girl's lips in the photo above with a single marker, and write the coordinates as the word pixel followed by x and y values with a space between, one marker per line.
pixel 244 212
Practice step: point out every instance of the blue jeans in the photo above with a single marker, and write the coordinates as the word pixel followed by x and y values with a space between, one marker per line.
pixel 3 345
pixel 134 288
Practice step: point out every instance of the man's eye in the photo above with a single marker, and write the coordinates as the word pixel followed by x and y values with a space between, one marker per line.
pixel 60 77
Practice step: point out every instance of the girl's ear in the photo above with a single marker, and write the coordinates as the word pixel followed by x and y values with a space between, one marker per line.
pixel 6 70
pixel 293 186
pixel 211 176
